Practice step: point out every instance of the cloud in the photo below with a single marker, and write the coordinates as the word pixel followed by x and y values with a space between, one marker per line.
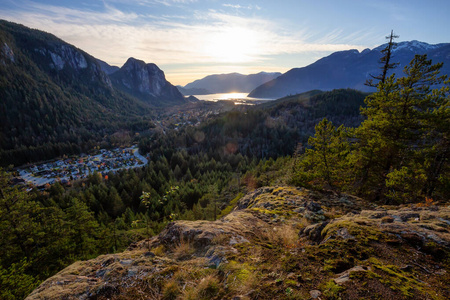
pixel 153 2
pixel 202 37
pixel 238 6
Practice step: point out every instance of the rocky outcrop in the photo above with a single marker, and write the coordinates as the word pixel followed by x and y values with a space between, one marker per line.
pixel 7 54
pixel 77 65
pixel 280 242
pixel 147 82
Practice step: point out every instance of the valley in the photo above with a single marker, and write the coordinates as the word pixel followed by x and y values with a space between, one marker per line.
pixel 326 189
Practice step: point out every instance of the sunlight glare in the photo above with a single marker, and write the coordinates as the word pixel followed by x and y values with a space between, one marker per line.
pixel 233 45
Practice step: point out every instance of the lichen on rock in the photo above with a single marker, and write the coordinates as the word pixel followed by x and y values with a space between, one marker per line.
pixel 270 247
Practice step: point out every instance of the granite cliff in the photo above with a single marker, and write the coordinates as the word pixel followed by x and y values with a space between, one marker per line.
pixel 146 82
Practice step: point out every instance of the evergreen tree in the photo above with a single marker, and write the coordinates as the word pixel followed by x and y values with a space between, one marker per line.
pixel 81 228
pixel 406 120
pixel 385 61
pixel 325 164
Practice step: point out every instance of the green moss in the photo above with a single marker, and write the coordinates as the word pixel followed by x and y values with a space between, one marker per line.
pixel 398 280
pixel 331 290
pixel 364 234
pixel 277 212
pixel 291 282
pixel 240 271
pixel 338 265
pixel 231 205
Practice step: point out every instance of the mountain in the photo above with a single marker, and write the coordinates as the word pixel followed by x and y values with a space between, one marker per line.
pixel 348 69
pixel 146 82
pixel 278 242
pixel 233 82
pixel 107 68
pixel 55 98
pixel 193 91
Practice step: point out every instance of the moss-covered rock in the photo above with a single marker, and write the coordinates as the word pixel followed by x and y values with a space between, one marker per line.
pixel 277 243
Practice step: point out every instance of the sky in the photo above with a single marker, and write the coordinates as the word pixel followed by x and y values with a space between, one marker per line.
pixel 190 39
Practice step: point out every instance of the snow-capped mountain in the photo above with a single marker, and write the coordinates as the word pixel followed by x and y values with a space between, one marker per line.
pixel 349 69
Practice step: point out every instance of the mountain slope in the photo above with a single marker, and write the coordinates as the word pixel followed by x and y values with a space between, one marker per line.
pixel 146 82
pixel 348 69
pixel 55 98
pixel 233 82
pixel 278 243
pixel 107 68
pixel 193 91
pixel 274 128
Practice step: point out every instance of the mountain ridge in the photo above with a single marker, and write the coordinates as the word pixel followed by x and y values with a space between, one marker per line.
pixel 348 69
pixel 56 98
pixel 147 82
pixel 231 82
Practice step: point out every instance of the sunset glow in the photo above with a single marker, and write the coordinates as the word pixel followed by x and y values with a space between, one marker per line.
pixel 189 39
pixel 233 45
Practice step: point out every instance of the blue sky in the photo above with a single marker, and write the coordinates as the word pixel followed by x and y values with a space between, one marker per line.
pixel 189 39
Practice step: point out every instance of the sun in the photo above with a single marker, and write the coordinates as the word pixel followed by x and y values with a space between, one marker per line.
pixel 233 45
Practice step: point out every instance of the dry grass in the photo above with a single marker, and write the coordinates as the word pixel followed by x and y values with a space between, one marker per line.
pixel 242 277
pixel 333 213
pixel 159 251
pixel 171 290
pixel 286 235
pixel 184 249
pixel 207 288
pixel 221 239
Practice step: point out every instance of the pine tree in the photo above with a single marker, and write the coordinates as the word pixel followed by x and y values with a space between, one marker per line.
pixel 385 61
pixel 325 164
pixel 402 117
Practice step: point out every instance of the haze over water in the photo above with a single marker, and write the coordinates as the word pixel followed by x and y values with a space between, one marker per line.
pixel 229 96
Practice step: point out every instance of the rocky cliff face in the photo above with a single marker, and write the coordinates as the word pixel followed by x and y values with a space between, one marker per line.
pixel 75 64
pixel 6 54
pixel 64 63
pixel 147 82
pixel 278 243
pixel 107 68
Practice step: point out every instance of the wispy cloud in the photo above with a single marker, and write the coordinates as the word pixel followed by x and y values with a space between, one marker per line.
pixel 238 6
pixel 205 37
pixel 153 2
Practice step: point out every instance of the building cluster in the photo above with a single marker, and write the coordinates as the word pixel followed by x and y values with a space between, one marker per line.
pixel 66 170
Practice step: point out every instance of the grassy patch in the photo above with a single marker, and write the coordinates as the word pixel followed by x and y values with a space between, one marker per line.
pixel 230 206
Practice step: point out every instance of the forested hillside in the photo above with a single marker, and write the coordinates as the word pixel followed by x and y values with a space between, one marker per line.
pixel 268 130
pixel 56 100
